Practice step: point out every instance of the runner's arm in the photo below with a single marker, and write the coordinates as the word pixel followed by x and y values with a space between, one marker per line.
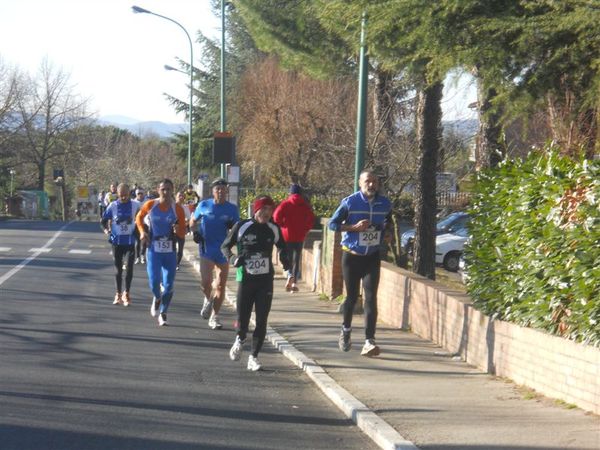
pixel 229 242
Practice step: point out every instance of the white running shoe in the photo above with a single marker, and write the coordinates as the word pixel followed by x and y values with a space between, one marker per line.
pixel 154 307
pixel 206 308
pixel 126 298
pixel 137 261
pixel 162 320
pixel 370 348
pixel 117 299
pixel 214 322
pixel 236 349
pixel 254 364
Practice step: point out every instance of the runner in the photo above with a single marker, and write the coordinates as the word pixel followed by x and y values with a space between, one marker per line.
pixel 295 218
pixel 363 217
pixel 111 195
pixel 101 205
pixel 118 221
pixel 158 222
pixel 140 247
pixel 181 241
pixel 254 239
pixel 214 217
pixel 191 198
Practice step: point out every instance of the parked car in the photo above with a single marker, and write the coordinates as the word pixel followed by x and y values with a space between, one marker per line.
pixel 462 269
pixel 449 248
pixel 448 224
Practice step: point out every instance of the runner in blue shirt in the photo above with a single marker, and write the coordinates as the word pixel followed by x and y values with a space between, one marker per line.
pixel 118 221
pixel 364 218
pixel 212 220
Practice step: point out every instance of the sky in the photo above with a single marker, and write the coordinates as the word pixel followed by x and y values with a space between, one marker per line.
pixel 116 58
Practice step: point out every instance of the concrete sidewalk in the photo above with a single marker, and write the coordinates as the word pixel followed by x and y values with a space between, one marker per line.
pixel 416 395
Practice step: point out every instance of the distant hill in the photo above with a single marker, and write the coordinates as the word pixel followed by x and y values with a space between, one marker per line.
pixel 467 127
pixel 140 128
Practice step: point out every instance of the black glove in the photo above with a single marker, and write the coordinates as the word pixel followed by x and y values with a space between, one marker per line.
pixel 236 261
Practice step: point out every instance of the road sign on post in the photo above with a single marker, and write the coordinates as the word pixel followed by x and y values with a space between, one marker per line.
pixel 58 173
pixel 223 148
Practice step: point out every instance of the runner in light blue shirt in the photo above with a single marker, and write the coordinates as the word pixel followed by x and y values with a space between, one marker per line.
pixel 211 221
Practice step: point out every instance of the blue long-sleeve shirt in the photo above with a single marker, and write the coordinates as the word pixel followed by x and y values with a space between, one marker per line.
pixel 352 210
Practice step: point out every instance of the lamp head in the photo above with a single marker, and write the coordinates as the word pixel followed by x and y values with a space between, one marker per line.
pixel 138 10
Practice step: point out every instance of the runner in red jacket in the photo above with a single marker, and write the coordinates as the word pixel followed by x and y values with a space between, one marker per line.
pixel 295 218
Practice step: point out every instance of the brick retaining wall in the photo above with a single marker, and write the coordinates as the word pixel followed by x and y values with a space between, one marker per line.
pixel 551 365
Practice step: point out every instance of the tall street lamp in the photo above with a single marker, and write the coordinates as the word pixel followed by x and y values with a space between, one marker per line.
pixel 12 178
pixel 138 10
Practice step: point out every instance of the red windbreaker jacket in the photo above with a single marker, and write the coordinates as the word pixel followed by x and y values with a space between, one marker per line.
pixel 295 218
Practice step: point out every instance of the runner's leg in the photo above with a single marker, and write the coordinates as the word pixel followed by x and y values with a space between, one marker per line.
pixel 351 270
pixel 118 253
pixel 263 298
pixel 168 266
pixel 370 285
pixel 221 280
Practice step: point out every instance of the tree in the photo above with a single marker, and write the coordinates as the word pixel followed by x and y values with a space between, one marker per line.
pixel 47 110
pixel 294 127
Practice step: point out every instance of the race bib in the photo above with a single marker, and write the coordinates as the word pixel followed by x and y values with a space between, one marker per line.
pixel 369 238
pixel 257 265
pixel 163 245
pixel 124 228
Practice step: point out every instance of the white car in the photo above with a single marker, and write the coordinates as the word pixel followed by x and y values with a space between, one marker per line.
pixel 449 247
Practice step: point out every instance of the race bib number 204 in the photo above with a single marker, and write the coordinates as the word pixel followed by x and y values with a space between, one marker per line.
pixel 257 266
pixel 369 237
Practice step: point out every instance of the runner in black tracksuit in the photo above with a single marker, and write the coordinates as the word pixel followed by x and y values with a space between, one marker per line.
pixel 254 239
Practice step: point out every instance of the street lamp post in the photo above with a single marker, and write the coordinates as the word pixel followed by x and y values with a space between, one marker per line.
pixel 12 178
pixel 138 10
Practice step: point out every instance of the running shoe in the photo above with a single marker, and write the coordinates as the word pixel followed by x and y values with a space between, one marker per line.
pixel 126 299
pixel 177 269
pixel 253 363
pixel 289 284
pixel 214 322
pixel 117 299
pixel 370 348
pixel 154 307
pixel 137 261
pixel 344 341
pixel 206 308
pixel 162 320
pixel 236 349
pixel 294 288
pixel 143 259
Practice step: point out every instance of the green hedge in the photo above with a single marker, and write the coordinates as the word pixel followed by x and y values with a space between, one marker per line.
pixel 323 206
pixel 534 254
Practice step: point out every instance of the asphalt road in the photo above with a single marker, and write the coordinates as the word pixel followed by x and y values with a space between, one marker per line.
pixel 77 372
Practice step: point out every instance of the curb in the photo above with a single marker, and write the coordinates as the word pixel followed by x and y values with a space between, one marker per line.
pixel 380 432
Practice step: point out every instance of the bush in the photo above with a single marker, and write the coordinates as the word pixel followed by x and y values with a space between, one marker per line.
pixel 534 254
pixel 323 206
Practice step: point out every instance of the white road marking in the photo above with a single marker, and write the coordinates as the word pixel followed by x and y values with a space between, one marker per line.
pixel 5 249
pixel 40 250
pixel 80 252
pixel 15 269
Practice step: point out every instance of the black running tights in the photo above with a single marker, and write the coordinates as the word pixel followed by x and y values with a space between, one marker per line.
pixel 257 294
pixel 120 253
pixel 366 268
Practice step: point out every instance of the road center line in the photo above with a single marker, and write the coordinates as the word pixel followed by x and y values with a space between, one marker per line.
pixel 37 253
pixel 5 249
pixel 80 252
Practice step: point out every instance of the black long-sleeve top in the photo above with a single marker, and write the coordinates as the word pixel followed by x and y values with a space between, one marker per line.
pixel 255 243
